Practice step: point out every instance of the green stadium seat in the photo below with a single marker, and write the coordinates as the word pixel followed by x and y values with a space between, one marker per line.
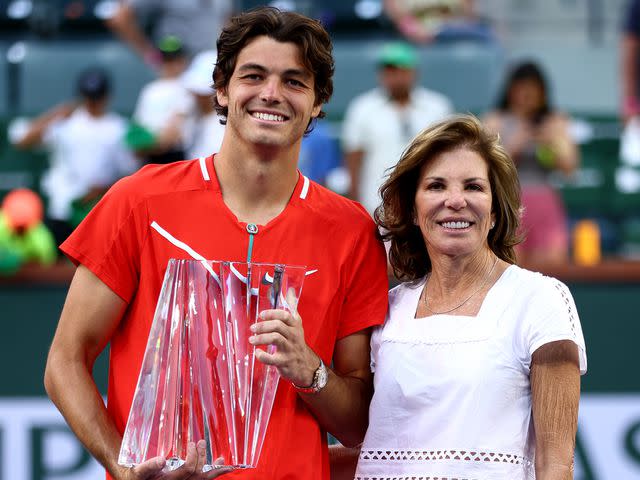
pixel 47 72
pixel 21 169
pixel 626 198
pixel 468 73
pixel 630 237
pixel 590 190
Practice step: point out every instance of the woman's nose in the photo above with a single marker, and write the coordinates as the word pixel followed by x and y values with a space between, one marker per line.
pixel 456 200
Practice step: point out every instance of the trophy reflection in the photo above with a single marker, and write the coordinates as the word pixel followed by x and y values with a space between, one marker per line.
pixel 199 377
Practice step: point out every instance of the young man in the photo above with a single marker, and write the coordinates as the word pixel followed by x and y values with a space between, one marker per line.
pixel 248 201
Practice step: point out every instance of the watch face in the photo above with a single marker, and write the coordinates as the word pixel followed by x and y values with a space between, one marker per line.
pixel 322 377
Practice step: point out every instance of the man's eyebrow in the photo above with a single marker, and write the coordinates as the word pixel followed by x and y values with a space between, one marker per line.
pixel 251 66
pixel 289 72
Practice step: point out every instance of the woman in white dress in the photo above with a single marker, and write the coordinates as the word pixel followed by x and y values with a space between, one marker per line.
pixel 477 367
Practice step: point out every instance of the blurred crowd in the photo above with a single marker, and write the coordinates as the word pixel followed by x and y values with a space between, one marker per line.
pixel 90 146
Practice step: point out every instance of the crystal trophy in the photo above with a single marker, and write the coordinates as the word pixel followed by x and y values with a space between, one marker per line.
pixel 199 377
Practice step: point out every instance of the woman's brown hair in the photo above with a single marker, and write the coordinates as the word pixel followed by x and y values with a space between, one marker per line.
pixel 395 217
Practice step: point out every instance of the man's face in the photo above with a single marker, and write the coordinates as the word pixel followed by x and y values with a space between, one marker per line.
pixel 270 95
pixel 397 81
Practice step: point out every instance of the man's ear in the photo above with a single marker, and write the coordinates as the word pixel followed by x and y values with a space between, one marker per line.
pixel 221 95
pixel 316 111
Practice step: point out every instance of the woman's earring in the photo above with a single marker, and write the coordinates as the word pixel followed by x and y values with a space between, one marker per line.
pixel 493 224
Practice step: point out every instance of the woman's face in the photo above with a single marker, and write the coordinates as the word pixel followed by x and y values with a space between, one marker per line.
pixel 453 203
pixel 526 96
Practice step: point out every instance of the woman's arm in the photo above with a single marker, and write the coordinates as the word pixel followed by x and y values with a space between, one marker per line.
pixel 555 389
pixel 556 134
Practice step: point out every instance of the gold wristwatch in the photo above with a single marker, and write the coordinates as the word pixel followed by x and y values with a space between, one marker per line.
pixel 320 377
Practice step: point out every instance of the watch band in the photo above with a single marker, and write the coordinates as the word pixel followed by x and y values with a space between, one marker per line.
pixel 320 377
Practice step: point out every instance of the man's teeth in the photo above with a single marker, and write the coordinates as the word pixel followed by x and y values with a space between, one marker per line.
pixel 269 116
pixel 456 224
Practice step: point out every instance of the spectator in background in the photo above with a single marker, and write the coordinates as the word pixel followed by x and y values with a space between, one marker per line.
pixel 205 129
pixel 538 139
pixel 87 151
pixel 24 238
pixel 425 21
pixel 380 123
pixel 630 58
pixel 159 133
pixel 196 22
pixel 319 153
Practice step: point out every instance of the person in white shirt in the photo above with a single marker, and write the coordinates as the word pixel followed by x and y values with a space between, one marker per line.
pixel 87 148
pixel 380 123
pixel 205 129
pixel 164 106
pixel 477 367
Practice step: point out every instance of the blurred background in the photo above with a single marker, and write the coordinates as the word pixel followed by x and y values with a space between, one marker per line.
pixel 465 55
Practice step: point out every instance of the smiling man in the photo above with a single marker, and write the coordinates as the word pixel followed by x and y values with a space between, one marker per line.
pixel 248 202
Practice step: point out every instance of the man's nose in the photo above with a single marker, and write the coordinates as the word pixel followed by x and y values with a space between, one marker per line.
pixel 271 90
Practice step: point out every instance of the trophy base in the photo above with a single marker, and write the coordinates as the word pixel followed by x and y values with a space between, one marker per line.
pixel 174 463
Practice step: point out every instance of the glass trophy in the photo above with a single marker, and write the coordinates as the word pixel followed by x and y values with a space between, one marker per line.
pixel 199 377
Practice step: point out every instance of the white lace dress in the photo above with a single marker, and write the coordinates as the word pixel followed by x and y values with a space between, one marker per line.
pixel 452 393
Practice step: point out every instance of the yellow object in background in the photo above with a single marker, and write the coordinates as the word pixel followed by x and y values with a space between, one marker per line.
pixel 586 243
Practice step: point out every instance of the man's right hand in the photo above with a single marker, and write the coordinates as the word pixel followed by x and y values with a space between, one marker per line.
pixel 152 469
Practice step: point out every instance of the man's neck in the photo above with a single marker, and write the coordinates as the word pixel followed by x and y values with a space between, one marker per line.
pixel 256 184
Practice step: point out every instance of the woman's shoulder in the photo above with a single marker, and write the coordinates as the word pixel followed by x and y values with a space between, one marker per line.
pixel 537 288
pixel 399 293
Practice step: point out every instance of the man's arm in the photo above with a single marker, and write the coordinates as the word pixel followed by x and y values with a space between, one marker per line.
pixel 343 462
pixel 342 406
pixel 90 315
pixel 36 129
pixel 555 388
pixel 124 24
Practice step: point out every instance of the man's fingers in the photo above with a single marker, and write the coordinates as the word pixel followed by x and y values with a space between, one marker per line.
pixel 268 339
pixel 269 326
pixel 284 316
pixel 149 469
pixel 292 301
pixel 218 469
pixel 269 358
pixel 189 466
pixel 201 451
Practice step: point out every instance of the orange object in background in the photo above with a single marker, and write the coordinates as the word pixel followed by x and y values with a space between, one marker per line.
pixel 22 208
pixel 586 243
